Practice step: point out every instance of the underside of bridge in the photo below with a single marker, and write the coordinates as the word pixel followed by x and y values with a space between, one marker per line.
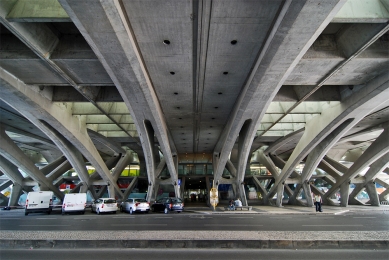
pixel 267 100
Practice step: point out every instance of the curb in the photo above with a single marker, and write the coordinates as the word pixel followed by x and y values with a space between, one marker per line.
pixel 253 244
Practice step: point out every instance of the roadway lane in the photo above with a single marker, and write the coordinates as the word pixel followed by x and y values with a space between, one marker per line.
pixel 191 254
pixel 15 220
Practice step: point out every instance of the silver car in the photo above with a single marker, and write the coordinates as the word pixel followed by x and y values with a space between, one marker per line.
pixel 135 205
pixel 104 205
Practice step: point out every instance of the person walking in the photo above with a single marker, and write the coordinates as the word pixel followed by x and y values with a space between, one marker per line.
pixel 318 202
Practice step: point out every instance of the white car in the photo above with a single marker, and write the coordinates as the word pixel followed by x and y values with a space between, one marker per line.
pixel 105 205
pixel 135 205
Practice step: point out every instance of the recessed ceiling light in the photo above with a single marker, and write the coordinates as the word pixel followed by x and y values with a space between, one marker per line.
pixel 167 42
pixel 178 107
pixel 181 126
pixel 172 72
pixel 233 42
pixel 180 118
pixel 175 93
pixel 216 107
pixel 219 93
pixel 225 72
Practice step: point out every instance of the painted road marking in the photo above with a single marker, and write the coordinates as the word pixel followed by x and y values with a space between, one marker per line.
pixel 46 218
pixel 44 225
pixel 135 224
pixel 241 217
pixel 364 217
pixel 163 217
pixel 332 225
pixel 123 217
pixel 232 225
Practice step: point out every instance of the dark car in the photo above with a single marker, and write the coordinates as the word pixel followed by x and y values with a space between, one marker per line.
pixel 168 204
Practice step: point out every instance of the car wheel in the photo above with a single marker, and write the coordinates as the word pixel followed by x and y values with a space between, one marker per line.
pixel 121 209
pixel 166 211
pixel 131 211
pixel 98 211
pixel 178 211
pixel 114 212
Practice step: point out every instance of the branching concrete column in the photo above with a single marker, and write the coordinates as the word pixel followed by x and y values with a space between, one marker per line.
pixel 375 168
pixel 375 151
pixel 11 171
pixel 338 119
pixel 130 188
pixel 12 153
pixel 373 194
pixel 15 194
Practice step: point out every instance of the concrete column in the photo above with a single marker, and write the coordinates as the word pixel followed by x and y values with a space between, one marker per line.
pixel 280 193
pixel 12 153
pixel 130 188
pixel 375 168
pixel 373 194
pixel 11 171
pixel 375 151
pixel 15 194
pixel 53 165
pixel 338 120
pixel 308 193
pixel 5 185
pixel 344 192
pixel 122 163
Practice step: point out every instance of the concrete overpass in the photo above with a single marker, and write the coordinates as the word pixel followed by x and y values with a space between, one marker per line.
pixel 182 89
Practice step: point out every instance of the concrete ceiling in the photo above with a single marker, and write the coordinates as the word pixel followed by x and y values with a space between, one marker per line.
pixel 198 56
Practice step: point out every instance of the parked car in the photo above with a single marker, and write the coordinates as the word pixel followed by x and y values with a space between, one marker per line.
pixel 74 202
pixel 39 201
pixel 135 205
pixel 104 205
pixel 168 204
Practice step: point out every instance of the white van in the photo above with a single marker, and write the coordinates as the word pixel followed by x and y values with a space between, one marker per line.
pixel 74 202
pixel 39 201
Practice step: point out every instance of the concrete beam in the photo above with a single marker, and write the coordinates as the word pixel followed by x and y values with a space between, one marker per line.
pixel 43 11
pixel 360 11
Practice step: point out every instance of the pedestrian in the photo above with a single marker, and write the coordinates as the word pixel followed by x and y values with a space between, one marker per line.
pixel 318 202
pixel 231 206
pixel 238 203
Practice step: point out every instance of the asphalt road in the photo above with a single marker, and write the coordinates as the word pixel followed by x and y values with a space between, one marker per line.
pixel 191 254
pixel 15 220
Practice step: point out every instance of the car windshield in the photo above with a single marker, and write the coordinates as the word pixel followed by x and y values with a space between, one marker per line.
pixel 177 200
pixel 140 200
pixel 110 201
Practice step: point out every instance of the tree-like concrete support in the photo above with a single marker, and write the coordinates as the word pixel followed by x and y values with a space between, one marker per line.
pixel 261 85
pixel 375 168
pixel 333 123
pixel 375 151
pixel 12 153
pixel 57 123
pixel 11 171
pixel 16 191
